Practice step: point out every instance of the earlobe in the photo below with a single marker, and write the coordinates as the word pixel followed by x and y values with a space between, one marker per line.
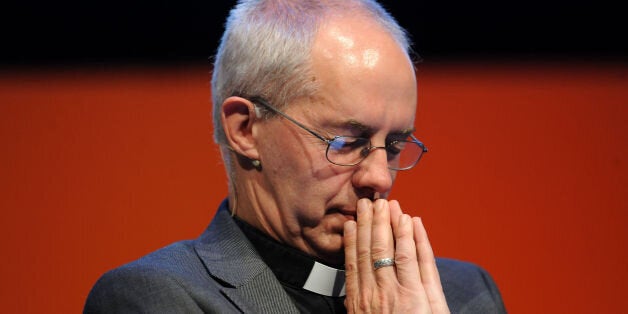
pixel 238 115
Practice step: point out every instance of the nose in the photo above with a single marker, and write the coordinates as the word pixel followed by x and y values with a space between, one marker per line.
pixel 373 173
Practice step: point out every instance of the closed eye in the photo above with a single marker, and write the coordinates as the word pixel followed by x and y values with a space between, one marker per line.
pixel 347 143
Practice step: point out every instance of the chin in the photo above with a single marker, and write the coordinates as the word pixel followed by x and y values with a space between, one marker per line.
pixel 332 252
pixel 325 241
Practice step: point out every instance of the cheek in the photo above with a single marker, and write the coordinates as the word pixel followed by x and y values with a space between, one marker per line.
pixel 303 163
pixel 295 168
pixel 289 169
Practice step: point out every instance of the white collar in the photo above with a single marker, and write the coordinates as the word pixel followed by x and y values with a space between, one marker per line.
pixel 326 280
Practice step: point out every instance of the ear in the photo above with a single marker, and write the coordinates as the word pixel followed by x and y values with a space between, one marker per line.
pixel 238 115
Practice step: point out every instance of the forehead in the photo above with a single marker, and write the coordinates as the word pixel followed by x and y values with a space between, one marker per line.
pixel 363 74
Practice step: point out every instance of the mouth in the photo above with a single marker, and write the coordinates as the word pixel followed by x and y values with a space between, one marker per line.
pixel 349 214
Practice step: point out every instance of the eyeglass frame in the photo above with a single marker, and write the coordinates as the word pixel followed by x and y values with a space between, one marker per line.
pixel 368 150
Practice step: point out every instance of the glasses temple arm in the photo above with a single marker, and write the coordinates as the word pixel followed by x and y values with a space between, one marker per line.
pixel 273 109
pixel 419 142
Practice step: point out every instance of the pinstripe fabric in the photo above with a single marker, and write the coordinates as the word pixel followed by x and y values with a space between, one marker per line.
pixel 220 272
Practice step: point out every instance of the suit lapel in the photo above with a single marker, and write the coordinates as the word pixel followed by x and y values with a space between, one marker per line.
pixel 231 259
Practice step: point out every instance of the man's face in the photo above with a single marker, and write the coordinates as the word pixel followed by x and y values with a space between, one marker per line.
pixel 368 89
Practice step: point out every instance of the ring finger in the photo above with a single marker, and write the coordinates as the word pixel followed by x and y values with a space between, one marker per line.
pixel 382 243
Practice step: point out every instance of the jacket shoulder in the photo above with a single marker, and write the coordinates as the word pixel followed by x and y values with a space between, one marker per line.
pixel 169 280
pixel 469 288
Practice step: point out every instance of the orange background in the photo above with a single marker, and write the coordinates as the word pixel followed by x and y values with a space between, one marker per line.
pixel 526 176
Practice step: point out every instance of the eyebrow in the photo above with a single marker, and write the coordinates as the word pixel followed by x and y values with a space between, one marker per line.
pixel 370 130
pixel 357 125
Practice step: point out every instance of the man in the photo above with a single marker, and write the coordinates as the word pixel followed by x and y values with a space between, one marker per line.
pixel 314 105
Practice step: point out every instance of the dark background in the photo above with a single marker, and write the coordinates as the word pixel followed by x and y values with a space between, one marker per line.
pixel 71 32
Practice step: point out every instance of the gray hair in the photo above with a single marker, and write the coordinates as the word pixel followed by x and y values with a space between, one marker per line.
pixel 266 48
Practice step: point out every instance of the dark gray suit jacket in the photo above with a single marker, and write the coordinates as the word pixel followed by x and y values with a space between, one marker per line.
pixel 220 272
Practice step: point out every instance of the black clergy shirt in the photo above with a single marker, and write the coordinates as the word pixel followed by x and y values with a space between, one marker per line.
pixel 292 268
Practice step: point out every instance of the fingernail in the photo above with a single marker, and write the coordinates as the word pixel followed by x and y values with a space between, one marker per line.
pixel 349 226
pixel 363 204
pixel 404 219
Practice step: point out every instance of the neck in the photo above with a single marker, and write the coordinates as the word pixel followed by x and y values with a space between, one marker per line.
pixel 246 200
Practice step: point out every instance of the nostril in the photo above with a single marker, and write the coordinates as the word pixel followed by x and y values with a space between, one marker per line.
pixel 366 192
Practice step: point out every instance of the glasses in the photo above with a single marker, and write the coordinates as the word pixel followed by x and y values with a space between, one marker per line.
pixel 402 154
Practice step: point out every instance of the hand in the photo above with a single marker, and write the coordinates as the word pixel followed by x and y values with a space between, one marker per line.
pixel 412 285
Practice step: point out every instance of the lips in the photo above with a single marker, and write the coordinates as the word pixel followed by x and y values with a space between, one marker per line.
pixel 350 214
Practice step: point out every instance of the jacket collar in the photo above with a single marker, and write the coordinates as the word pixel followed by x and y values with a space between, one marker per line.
pixel 231 259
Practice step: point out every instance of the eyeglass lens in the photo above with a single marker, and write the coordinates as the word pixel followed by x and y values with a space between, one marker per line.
pixel 347 150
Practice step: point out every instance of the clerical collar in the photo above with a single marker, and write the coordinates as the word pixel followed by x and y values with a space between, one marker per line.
pixel 294 268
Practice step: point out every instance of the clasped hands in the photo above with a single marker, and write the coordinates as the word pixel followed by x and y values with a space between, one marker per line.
pixel 412 285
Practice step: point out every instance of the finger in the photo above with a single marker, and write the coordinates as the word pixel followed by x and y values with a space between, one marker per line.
pixel 352 286
pixel 363 242
pixel 427 265
pixel 382 243
pixel 406 258
pixel 395 213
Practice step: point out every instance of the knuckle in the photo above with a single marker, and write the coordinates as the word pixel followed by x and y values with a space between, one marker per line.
pixel 363 252
pixel 350 268
pixel 404 258
pixel 364 258
pixel 365 303
pixel 379 249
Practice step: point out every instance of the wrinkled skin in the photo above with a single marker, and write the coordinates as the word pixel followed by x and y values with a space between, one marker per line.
pixel 367 88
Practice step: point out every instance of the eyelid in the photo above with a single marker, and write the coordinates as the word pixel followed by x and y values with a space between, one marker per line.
pixel 330 133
